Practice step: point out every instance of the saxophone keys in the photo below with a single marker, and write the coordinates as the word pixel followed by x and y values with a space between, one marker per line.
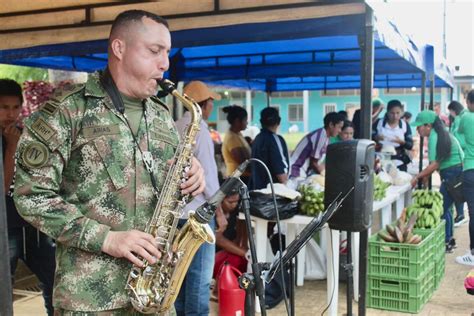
pixel 134 273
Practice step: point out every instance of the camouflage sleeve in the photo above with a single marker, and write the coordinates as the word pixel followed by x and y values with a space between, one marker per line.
pixel 43 152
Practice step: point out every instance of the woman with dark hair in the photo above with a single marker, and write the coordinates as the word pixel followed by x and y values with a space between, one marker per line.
pixel 235 148
pixel 456 111
pixel 347 131
pixel 444 154
pixel 393 131
pixel 466 128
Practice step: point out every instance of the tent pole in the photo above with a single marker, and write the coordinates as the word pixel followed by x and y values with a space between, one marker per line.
pixel 422 107
pixel 432 87
pixel 367 77
pixel 6 307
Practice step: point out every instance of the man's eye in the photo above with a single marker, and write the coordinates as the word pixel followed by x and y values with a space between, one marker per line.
pixel 153 51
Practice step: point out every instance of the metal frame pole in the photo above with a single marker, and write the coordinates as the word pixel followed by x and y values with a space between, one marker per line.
pixel 422 107
pixel 6 307
pixel 367 79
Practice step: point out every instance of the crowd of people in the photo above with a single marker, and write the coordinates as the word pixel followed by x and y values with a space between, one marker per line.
pixel 83 186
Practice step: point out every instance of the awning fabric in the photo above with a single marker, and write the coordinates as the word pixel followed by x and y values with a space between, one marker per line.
pixel 310 54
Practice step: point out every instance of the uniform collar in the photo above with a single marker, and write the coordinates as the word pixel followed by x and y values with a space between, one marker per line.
pixel 94 87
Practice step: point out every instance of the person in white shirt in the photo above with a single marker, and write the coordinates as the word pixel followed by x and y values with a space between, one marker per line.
pixel 393 131
pixel 193 298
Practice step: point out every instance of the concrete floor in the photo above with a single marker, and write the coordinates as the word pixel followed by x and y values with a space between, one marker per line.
pixel 449 299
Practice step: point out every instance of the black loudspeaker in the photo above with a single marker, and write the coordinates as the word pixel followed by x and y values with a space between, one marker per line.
pixel 350 164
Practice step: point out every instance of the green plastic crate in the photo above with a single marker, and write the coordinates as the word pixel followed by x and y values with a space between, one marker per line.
pixel 438 245
pixel 390 260
pixel 439 272
pixel 407 296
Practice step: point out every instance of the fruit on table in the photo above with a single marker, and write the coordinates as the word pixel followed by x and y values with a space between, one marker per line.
pixel 312 201
pixel 428 206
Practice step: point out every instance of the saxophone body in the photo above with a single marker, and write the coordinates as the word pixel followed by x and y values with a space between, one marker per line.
pixel 154 288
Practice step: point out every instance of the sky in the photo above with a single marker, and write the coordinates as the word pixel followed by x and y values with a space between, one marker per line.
pixel 423 20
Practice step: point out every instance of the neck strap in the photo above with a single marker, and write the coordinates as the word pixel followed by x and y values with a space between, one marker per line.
pixel 112 90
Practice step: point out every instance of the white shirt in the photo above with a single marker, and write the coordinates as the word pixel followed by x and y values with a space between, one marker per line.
pixel 204 152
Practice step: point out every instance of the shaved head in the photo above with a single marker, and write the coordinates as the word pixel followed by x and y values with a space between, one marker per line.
pixel 132 20
pixel 138 52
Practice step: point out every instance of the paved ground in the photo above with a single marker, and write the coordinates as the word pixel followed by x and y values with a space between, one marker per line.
pixel 449 299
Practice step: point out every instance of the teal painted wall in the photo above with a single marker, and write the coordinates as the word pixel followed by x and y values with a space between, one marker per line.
pixel 316 106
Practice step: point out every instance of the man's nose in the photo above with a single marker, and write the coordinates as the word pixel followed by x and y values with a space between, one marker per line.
pixel 11 113
pixel 164 63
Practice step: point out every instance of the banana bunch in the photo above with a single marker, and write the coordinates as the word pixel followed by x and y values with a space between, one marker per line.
pixel 312 201
pixel 401 233
pixel 380 188
pixel 428 206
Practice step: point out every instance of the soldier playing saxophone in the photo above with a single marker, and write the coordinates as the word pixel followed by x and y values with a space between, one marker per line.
pixel 86 163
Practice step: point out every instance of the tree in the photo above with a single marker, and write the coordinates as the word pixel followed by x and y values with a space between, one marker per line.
pixel 21 74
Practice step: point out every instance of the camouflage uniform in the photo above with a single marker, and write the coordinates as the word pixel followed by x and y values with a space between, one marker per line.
pixel 79 175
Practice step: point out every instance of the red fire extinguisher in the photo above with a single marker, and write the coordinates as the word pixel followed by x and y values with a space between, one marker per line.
pixel 231 296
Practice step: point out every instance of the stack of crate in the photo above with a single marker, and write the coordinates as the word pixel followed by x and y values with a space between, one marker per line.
pixel 401 277
pixel 438 247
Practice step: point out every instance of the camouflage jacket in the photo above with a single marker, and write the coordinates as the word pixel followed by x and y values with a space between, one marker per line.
pixel 79 175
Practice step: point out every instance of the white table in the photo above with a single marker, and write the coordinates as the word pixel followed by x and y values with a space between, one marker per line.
pixel 397 197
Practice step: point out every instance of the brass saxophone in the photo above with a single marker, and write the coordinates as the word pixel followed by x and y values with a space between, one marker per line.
pixel 155 287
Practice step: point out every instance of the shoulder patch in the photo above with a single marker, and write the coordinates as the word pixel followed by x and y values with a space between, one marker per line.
pixel 157 100
pixel 43 129
pixel 62 93
pixel 35 155
pixel 50 107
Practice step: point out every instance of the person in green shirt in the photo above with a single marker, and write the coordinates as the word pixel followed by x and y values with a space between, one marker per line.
pixel 456 111
pixel 444 154
pixel 346 133
pixel 466 128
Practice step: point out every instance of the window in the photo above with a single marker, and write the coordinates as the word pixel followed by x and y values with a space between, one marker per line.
pixel 295 112
pixel 329 107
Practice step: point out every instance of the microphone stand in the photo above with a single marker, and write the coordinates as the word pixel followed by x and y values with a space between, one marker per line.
pixel 252 282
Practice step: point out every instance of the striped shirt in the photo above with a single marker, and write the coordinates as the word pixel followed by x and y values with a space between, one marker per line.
pixel 313 145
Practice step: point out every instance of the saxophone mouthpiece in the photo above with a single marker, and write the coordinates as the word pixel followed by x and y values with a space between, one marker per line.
pixel 166 85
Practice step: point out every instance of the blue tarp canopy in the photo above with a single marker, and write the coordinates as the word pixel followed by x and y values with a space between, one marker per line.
pixel 310 54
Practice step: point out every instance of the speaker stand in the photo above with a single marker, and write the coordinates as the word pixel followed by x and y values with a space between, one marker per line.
pixel 348 267
pixel 363 249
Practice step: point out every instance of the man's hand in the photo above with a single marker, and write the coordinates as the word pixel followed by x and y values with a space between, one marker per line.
pixel 195 184
pixel 12 135
pixel 131 245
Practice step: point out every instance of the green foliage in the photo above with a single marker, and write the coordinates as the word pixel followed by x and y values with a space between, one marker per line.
pixel 292 139
pixel 21 74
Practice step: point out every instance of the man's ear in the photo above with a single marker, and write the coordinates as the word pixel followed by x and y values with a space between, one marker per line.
pixel 118 48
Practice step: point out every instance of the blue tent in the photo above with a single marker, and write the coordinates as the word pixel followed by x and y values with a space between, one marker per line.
pixel 311 54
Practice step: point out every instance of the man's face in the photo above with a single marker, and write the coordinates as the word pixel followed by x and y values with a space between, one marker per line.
pixel 10 108
pixel 335 129
pixel 207 109
pixel 145 58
